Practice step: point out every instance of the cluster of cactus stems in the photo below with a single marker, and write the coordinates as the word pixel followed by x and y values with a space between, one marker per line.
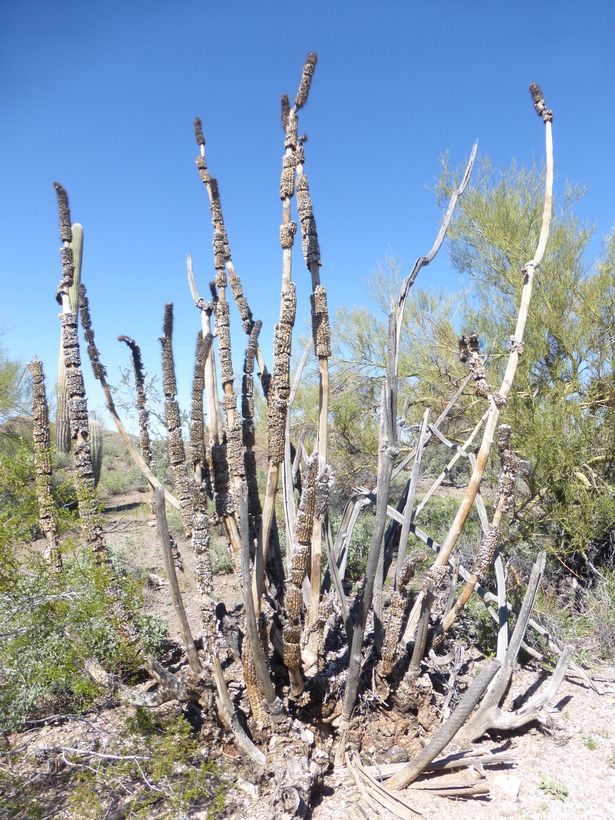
pixel 222 465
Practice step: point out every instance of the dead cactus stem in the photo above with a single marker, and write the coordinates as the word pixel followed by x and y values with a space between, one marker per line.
pixel 141 401
pixel 75 392
pixel 74 258
pixel 230 460
pixel 175 443
pixel 42 465
pixel 496 400
pixel 491 538
pixel 293 598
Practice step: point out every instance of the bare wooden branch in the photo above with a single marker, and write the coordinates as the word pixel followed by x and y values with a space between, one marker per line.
pixel 176 597
pixel 496 400
pixel 422 261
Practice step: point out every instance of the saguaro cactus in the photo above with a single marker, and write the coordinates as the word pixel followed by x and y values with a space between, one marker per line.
pixel 96 448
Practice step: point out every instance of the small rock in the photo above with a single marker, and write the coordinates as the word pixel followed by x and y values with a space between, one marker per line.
pixel 307 736
pixel 508 783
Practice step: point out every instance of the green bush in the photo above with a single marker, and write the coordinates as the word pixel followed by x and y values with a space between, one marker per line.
pixel 51 627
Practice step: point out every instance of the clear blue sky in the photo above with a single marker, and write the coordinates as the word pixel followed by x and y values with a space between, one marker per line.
pixel 101 97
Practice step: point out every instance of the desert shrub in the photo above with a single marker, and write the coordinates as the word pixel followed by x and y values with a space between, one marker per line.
pixel 171 773
pixel 119 473
pixel 18 505
pixel 51 627
pixel 221 563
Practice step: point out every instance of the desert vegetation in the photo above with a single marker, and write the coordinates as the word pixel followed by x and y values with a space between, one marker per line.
pixel 369 490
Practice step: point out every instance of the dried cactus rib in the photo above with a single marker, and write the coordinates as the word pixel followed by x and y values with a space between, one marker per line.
pixel 248 432
pixel 241 302
pixel 223 332
pixel 399 604
pixel 197 426
pixel 511 464
pixel 222 251
pixel 309 234
pixel 252 688
pixel 247 397
pixel 220 470
pixel 306 80
pixel 539 103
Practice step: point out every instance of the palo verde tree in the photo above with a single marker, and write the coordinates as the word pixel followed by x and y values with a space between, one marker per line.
pixel 307 649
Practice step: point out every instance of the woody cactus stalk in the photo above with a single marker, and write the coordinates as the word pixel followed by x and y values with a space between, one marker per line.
pixel 141 401
pixel 200 525
pixel 42 465
pixel 279 392
pixel 293 598
pixel 248 434
pixel 177 455
pixel 387 454
pixel 388 450
pixel 320 331
pixel 100 374
pixel 232 455
pixel 491 538
pixel 63 437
